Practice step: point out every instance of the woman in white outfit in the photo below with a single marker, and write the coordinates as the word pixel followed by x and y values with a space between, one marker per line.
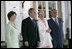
pixel 11 32
pixel 44 32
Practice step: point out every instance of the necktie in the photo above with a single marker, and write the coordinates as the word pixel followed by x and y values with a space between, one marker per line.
pixel 56 21
pixel 34 23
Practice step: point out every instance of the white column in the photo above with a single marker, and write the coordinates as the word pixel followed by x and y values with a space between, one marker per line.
pixel 47 10
pixel 63 11
pixel 70 20
pixel 3 21
pixel 37 10
pixel 56 7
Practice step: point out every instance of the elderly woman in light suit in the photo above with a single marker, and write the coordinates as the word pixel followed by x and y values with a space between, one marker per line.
pixel 44 32
pixel 11 31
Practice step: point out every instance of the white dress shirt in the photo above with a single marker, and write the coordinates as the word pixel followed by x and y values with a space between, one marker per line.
pixel 31 18
pixel 56 20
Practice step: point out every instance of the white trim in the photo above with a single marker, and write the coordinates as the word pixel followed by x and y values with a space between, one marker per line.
pixel 47 10
pixel 37 10
pixel 63 11
pixel 57 7
pixel 3 21
pixel 69 20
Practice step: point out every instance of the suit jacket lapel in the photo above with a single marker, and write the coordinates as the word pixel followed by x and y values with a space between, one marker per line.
pixel 54 22
pixel 30 21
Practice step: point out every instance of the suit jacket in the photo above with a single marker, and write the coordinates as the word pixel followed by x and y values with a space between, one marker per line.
pixel 11 37
pixel 57 31
pixel 29 33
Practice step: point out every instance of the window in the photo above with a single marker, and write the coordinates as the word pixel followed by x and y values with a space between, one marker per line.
pixel 46 6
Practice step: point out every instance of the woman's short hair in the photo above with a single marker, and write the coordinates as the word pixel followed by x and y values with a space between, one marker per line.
pixel 41 11
pixel 11 13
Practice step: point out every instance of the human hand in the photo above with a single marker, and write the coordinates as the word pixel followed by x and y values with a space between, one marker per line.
pixel 26 43
pixel 48 30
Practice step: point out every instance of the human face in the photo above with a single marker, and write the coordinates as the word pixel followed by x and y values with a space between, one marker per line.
pixel 32 14
pixel 54 13
pixel 13 17
pixel 41 15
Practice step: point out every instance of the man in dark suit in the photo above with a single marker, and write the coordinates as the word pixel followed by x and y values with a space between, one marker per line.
pixel 56 25
pixel 30 32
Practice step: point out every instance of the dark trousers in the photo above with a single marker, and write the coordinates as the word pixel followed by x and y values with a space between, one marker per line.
pixel 57 44
pixel 69 43
pixel 30 46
